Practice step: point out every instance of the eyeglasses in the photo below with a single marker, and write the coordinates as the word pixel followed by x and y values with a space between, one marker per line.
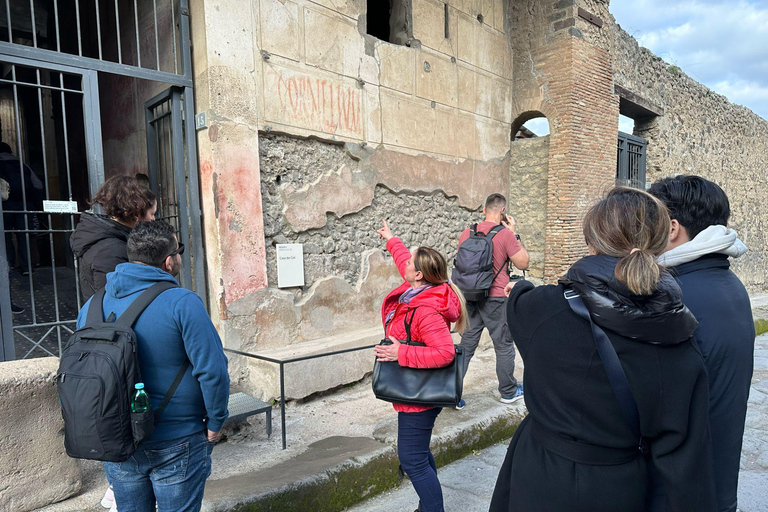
pixel 180 250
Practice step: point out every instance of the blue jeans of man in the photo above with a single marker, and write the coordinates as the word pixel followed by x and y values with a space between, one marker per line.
pixel 414 430
pixel 173 473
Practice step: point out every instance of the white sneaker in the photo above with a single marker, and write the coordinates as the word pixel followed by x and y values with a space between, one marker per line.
pixel 113 508
pixel 109 498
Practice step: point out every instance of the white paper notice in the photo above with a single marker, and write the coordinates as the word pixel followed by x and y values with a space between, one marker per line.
pixel 290 265
pixel 60 206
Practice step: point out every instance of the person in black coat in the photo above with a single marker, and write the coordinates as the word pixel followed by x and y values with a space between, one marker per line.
pixel 575 451
pixel 25 194
pixel 99 242
pixel 699 247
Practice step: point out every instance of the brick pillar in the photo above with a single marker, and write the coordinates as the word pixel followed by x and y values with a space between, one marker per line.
pixel 582 162
pixel 563 70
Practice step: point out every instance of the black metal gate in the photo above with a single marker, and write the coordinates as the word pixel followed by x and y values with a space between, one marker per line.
pixel 168 176
pixel 52 55
pixel 630 161
pixel 42 120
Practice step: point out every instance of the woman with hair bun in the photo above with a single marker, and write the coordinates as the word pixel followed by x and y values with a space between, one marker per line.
pixel 576 451
pixel 429 302
pixel 99 242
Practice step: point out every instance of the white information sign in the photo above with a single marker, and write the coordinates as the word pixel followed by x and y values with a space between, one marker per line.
pixel 60 206
pixel 290 265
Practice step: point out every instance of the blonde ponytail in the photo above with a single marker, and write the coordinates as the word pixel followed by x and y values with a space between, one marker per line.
pixel 639 272
pixel 633 226
pixel 461 323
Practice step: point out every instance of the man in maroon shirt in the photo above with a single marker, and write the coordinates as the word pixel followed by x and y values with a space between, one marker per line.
pixel 489 312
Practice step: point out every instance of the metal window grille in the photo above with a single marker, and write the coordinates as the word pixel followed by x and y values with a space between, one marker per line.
pixel 630 161
pixel 142 34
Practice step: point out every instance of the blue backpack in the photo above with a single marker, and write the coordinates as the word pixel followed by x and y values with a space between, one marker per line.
pixel 473 266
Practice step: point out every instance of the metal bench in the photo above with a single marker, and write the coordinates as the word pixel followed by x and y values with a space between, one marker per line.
pixel 241 406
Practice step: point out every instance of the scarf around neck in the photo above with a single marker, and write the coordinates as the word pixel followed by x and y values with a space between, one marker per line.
pixel 406 298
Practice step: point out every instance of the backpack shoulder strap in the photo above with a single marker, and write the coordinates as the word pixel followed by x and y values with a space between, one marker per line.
pixel 494 230
pixel 130 315
pixel 473 230
pixel 613 368
pixel 171 391
pixel 96 309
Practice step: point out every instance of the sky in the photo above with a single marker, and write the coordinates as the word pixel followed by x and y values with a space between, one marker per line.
pixel 722 44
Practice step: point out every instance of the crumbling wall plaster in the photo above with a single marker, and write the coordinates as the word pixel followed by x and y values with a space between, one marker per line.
pixel 702 133
pixel 420 212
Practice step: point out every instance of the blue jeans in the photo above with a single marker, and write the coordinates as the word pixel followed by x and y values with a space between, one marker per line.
pixel 171 472
pixel 414 430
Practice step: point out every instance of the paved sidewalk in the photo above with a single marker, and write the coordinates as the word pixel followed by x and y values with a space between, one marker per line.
pixel 468 483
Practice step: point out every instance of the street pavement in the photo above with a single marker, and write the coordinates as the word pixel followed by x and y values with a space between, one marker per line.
pixel 468 483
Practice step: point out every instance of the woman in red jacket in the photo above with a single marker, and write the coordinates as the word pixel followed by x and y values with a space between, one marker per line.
pixel 430 303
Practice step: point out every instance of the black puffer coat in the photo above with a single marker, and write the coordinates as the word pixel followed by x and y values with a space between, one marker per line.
pixel 100 245
pixel 574 451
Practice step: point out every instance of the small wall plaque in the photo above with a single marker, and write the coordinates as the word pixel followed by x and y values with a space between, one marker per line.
pixel 290 265
pixel 201 121
pixel 60 206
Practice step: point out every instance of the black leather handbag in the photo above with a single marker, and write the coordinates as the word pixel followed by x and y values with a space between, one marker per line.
pixel 429 387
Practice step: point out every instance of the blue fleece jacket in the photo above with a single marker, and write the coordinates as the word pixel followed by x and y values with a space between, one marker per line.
pixel 173 328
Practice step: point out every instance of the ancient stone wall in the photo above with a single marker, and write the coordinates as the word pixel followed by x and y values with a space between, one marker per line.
pixel 702 133
pixel 527 200
pixel 420 218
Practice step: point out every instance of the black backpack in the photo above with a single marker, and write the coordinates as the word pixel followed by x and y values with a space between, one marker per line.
pixel 97 373
pixel 473 266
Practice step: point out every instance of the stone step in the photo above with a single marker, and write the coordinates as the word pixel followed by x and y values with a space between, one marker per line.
pixel 303 378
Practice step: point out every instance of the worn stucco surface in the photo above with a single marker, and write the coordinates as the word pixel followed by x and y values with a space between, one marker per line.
pixel 36 470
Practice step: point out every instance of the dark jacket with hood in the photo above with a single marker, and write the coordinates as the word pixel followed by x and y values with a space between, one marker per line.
pixel 726 336
pixel 100 244
pixel 574 451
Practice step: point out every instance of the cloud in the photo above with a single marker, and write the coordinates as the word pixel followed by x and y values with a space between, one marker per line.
pixel 722 44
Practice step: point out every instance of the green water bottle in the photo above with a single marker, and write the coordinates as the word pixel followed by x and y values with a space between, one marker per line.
pixel 140 399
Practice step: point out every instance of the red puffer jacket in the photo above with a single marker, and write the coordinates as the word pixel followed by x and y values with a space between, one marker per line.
pixel 435 309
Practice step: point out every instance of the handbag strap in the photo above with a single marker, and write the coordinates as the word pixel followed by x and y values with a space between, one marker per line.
pixel 613 369
pixel 408 323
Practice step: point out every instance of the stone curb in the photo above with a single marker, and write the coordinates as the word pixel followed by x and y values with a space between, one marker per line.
pixel 342 475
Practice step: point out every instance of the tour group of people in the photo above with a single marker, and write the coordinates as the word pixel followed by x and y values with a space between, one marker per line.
pixel 658 310
pixel 661 309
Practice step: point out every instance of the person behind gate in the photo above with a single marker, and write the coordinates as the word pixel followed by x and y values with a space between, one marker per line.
pixel 430 304
pixel 99 241
pixel 485 306
pixel 169 467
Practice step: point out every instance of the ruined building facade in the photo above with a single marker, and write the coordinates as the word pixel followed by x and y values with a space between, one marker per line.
pixel 341 128
pixel 313 120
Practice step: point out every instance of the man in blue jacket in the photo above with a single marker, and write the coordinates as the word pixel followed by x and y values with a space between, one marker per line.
pixel 700 244
pixel 170 466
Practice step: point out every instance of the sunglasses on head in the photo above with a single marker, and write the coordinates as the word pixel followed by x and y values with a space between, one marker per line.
pixel 180 250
